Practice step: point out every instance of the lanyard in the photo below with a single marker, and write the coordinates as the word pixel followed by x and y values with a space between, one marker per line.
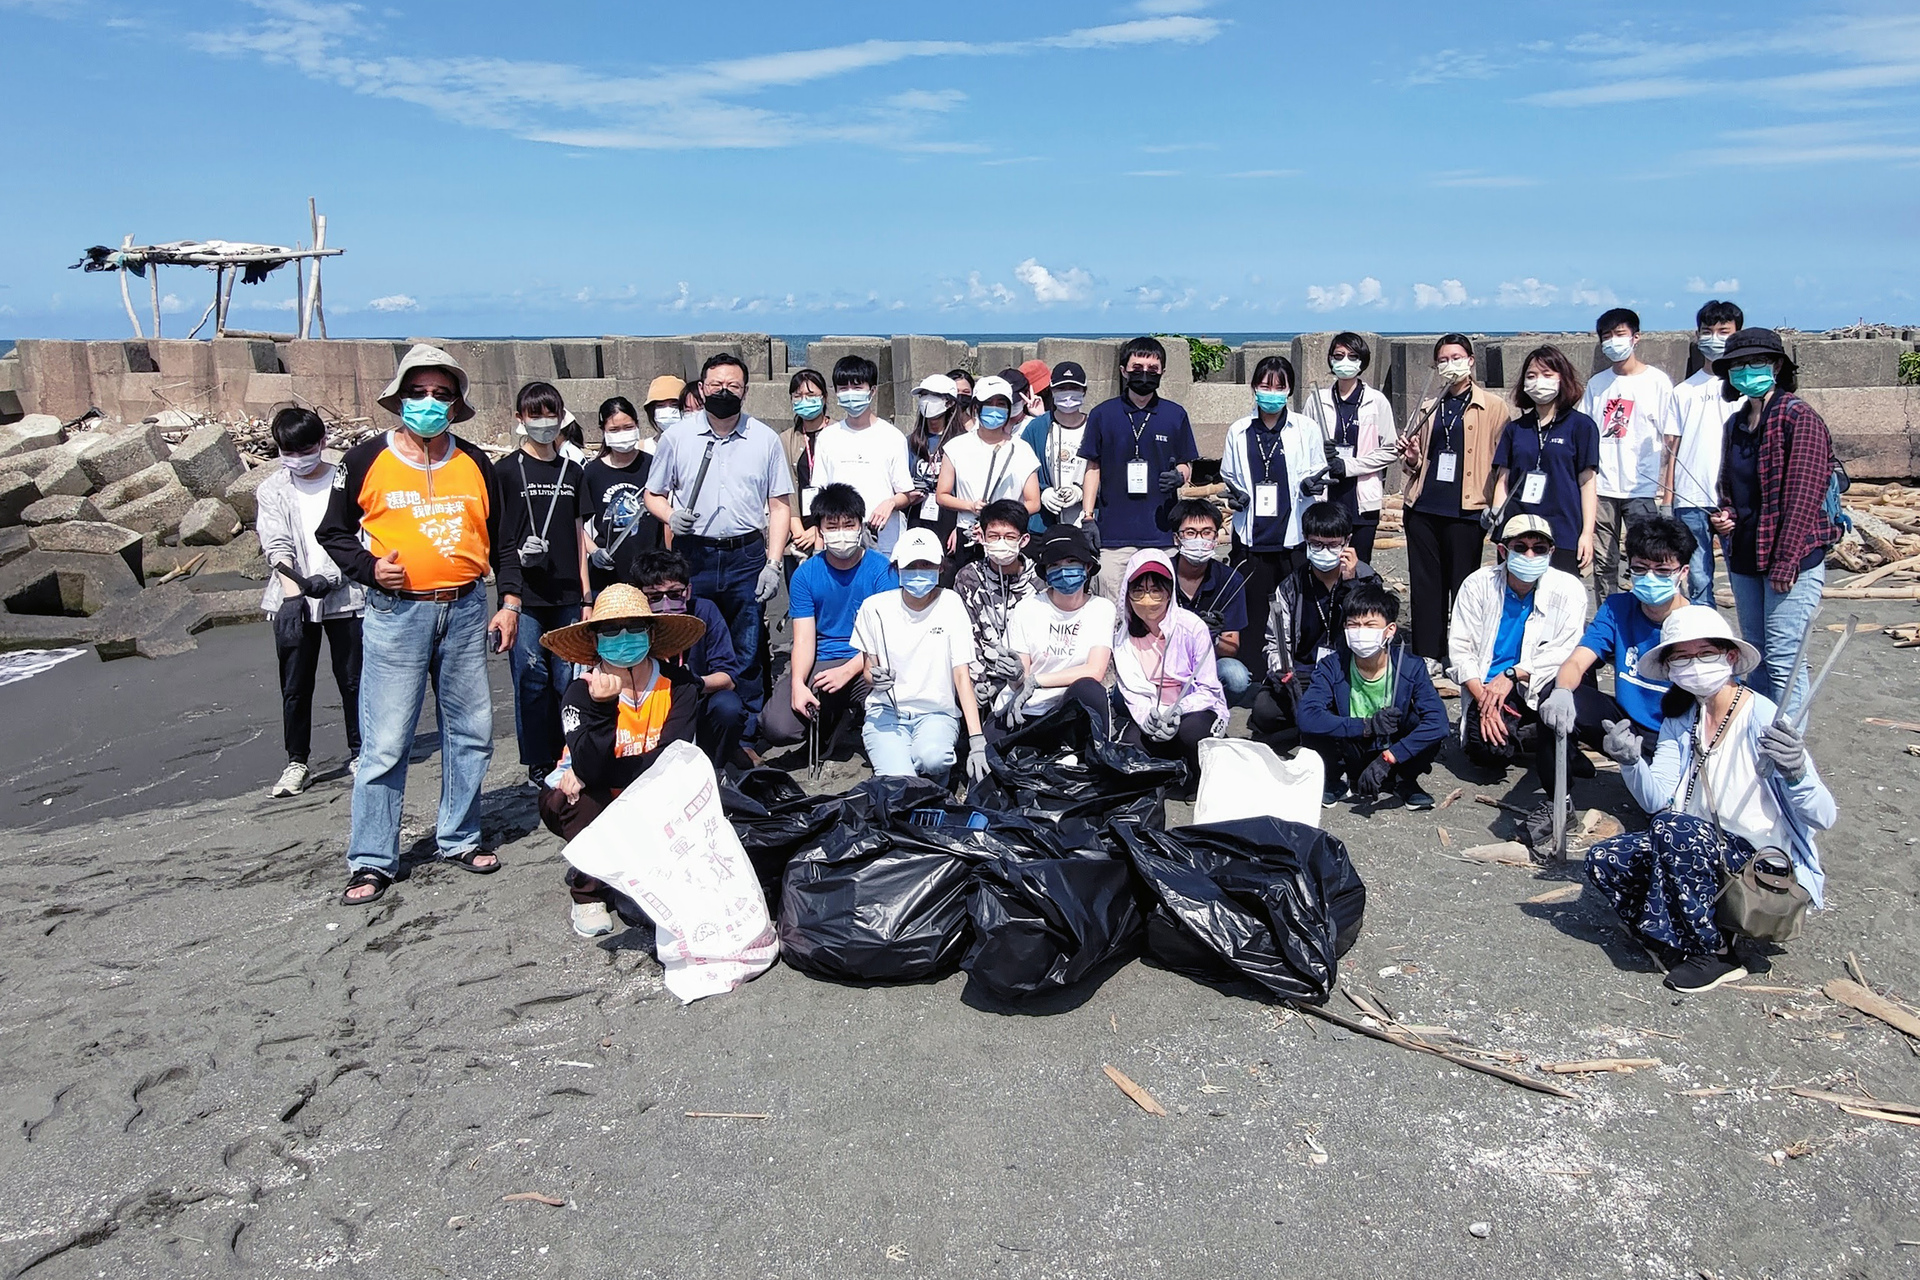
pixel 1139 428
pixel 1346 413
pixel 1445 425
pixel 1266 454
pixel 994 474
pixel 1700 754
pixel 553 499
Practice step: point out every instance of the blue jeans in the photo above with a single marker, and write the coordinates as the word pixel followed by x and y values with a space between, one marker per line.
pixel 540 676
pixel 1700 568
pixel 1773 621
pixel 903 743
pixel 728 578
pixel 1234 678
pixel 405 645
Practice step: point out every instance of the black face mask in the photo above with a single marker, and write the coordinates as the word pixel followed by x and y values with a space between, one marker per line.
pixel 1143 382
pixel 722 404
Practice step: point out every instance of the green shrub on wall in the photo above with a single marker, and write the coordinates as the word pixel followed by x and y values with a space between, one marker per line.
pixel 1205 357
pixel 1910 366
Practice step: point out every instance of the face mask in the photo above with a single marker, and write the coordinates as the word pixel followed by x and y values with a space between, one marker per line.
pixel 992 417
pixel 624 648
pixel 426 417
pixel 1712 345
pixel 1325 559
pixel 1143 382
pixel 1270 401
pixel 1002 550
pixel 1701 677
pixel 1655 588
pixel 854 402
pixel 302 464
pixel 722 404
pixel 807 408
pixel 1068 401
pixel 1197 550
pixel 1366 642
pixel 1753 380
pixel 1455 369
pixel 842 542
pixel 541 430
pixel 1344 368
pixel 919 583
pixel 931 406
pixel 665 417
pixel 1617 349
pixel 623 441
pixel 1542 391
pixel 1067 578
pixel 1528 568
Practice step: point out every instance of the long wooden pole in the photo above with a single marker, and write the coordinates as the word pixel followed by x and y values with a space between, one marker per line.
pixel 300 295
pixel 126 296
pixel 153 279
pixel 319 297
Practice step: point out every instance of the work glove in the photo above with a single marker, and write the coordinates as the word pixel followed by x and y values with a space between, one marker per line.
pixel 1162 723
pixel 1054 499
pixel 1336 466
pixel 1557 711
pixel 317 585
pixel 1091 528
pixel 1372 778
pixel 978 766
pixel 1384 723
pixel 601 558
pixel 1622 744
pixel 681 520
pixel 1236 500
pixel 1314 485
pixel 533 551
pixel 1006 665
pixel 768 585
pixel 1017 705
pixel 1786 749
pixel 1486 519
pixel 290 623
pixel 880 679
pixel 1171 480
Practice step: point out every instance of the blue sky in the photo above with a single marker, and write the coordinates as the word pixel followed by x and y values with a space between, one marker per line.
pixel 856 167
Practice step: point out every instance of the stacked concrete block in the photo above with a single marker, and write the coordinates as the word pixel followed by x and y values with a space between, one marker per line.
pixel 17 492
pixel 187 378
pixel 634 362
pixel 769 402
pixel 576 359
pixel 1876 430
pixel 108 454
pixel 777 357
pixel 1847 362
pixel 1100 357
pixel 992 357
pixel 823 352
pixel 266 393
pixel 916 357
pixel 208 523
pixel 57 378
pixel 31 433
pixel 242 494
pixel 207 462
pixel 754 348
pixel 584 397
pixel 59 508
pixel 236 362
pixel 58 470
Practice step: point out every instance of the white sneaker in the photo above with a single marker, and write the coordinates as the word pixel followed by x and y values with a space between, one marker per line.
pixel 1435 668
pixel 592 920
pixel 293 780
pixel 353 767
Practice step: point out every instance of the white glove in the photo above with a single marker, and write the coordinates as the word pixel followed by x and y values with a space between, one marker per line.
pixel 1054 499
pixel 880 679
pixel 1017 706
pixel 1557 711
pixel 1622 744
pixel 681 520
pixel 769 584
pixel 978 766
pixel 1162 723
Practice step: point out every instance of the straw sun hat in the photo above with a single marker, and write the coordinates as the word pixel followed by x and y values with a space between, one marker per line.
pixel 673 633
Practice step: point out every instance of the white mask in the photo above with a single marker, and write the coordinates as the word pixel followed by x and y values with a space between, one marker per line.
pixel 932 406
pixel 1701 677
pixel 303 464
pixel 665 416
pixel 1197 550
pixel 1455 369
pixel 1068 401
pixel 1617 349
pixel 623 441
pixel 1002 550
pixel 1542 391
pixel 1325 559
pixel 1713 345
pixel 540 430
pixel 1347 368
pixel 842 542
pixel 1366 642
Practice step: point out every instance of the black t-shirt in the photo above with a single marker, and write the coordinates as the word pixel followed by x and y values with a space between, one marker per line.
pixel 1447 435
pixel 621 523
pixel 1346 433
pixel 543 499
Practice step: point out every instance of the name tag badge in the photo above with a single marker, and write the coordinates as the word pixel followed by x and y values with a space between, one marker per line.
pixel 1266 500
pixel 1445 467
pixel 1345 451
pixel 1533 488
pixel 930 509
pixel 1137 478
pixel 806 500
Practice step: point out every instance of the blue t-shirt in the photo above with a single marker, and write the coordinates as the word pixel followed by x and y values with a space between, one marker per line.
pixel 1117 433
pixel 1514 610
pixel 713 653
pixel 1620 632
pixel 1572 447
pixel 831 597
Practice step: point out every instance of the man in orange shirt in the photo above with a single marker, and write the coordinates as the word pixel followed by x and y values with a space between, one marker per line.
pixel 414 516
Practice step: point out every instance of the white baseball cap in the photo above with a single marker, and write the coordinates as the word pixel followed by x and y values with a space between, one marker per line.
pixel 989 387
pixel 939 384
pixel 917 544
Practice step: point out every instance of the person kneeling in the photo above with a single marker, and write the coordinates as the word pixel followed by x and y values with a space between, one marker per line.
pixel 664 579
pixel 1370 710
pixel 1306 621
pixel 1164 667
pixel 1726 785
pixel 917 643
pixel 617 718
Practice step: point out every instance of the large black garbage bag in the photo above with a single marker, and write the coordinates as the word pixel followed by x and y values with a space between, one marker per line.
pixel 1274 901
pixel 774 817
pixel 882 896
pixel 1058 763
pixel 1042 924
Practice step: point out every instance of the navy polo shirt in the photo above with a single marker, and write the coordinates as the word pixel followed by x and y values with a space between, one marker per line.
pixel 713 653
pixel 1117 433
pixel 1572 446
pixel 1223 591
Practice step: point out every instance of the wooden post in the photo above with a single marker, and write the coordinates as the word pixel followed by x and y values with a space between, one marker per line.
pixel 126 297
pixel 319 298
pixel 153 279
pixel 313 310
pixel 226 300
pixel 300 295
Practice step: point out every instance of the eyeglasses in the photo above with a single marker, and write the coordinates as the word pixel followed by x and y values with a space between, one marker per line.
pixel 1205 534
pixel 1328 544
pixel 713 388
pixel 670 593
pixel 442 394
pixel 1145 588
pixel 1668 569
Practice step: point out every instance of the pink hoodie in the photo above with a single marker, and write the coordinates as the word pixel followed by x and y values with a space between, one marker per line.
pixel 1188 657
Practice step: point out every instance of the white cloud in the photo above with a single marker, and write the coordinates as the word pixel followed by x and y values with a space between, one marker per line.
pixel 1265 173
pixel 394 302
pixel 1151 173
pixel 1159 296
pixel 1333 297
pixel 1527 293
pixel 1071 285
pixel 1452 64
pixel 1591 295
pixel 928 99
pixel 1170 6
pixel 1698 284
pixel 1449 293
pixel 171 304
pixel 1475 178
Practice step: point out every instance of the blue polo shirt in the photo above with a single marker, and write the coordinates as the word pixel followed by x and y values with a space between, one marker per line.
pixel 1512 633
pixel 1117 433
pixel 831 597
pixel 1620 632
pixel 1571 446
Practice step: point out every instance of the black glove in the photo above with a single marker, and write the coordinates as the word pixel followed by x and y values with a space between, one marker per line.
pixel 1384 723
pixel 1171 480
pixel 317 585
pixel 1314 485
pixel 1236 500
pixel 290 623
pixel 1091 528
pixel 1372 778
pixel 1486 519
pixel 1336 465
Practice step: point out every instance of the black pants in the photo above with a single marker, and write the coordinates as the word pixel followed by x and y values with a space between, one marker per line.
pixel 1089 693
pixel 723 719
pixel 1272 720
pixel 1567 560
pixel 1348 758
pixel 1366 527
pixel 1590 707
pixel 836 712
pixel 300 663
pixel 1518 713
pixel 1441 552
pixel 1263 571
pixel 1195 728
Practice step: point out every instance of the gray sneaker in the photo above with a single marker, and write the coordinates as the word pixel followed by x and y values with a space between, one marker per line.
pixel 592 919
pixel 293 780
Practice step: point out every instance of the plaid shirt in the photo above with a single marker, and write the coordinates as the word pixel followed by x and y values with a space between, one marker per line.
pixel 1796 465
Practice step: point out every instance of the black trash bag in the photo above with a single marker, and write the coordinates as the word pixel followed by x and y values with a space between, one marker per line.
pixel 1274 901
pixel 774 818
pixel 882 896
pixel 1029 769
pixel 1043 924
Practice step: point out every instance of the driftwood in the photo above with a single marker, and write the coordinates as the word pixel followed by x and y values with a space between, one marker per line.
pixel 1398 1035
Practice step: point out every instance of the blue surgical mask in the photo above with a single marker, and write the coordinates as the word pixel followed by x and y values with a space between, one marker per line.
pixel 1528 568
pixel 426 417
pixel 919 583
pixel 992 417
pixel 1753 380
pixel 1067 578
pixel 1270 401
pixel 1655 588
pixel 624 648
pixel 807 408
pixel 854 402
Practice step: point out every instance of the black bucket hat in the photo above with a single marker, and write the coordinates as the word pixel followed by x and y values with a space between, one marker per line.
pixel 1748 343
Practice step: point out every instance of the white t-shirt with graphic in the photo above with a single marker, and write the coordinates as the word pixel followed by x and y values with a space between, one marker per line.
pixel 921 647
pixel 1630 411
pixel 1057 640
pixel 1063 456
pixel 1698 415
pixel 873 460
pixel 984 472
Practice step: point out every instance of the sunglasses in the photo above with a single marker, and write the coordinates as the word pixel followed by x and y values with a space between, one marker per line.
pixel 623 627
pixel 670 593
pixel 441 394
pixel 1144 588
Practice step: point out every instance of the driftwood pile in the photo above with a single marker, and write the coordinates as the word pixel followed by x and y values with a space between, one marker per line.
pixel 1883 549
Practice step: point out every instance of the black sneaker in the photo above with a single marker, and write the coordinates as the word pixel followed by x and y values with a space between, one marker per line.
pixel 1704 973
pixel 1333 795
pixel 537 774
pixel 1416 799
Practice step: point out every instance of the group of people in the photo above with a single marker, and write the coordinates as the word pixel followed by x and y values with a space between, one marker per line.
pixel 1017 549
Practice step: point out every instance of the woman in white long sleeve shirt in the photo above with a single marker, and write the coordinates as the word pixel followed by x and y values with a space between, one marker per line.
pixel 1358 424
pixel 1726 784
